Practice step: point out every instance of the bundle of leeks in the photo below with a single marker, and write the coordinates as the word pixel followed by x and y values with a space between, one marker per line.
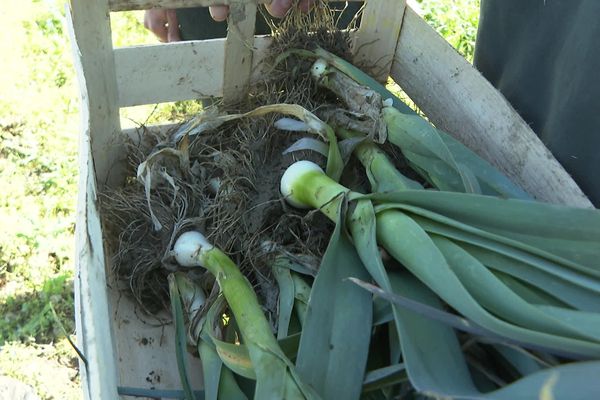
pixel 521 278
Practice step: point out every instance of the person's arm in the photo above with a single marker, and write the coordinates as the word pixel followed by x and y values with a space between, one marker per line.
pixel 163 22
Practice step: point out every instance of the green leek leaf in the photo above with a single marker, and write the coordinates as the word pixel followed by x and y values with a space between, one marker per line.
pixel 180 335
pixel 337 327
pixel 496 297
pixel 417 252
pixel 286 298
pixel 211 369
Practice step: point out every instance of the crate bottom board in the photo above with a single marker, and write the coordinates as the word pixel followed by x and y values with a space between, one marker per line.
pixel 144 349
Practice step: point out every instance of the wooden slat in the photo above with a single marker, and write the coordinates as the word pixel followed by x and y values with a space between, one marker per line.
pixel 238 51
pixel 125 5
pixel 377 36
pixel 176 71
pixel 89 28
pixel 147 348
pixel 169 72
pixel 457 99
pixel 94 333
pixel 98 88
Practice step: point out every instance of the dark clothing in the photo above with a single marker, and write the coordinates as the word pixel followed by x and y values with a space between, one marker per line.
pixel 197 24
pixel 543 55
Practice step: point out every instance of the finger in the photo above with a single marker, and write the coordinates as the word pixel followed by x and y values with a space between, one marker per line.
pixel 172 26
pixel 219 13
pixel 154 20
pixel 278 8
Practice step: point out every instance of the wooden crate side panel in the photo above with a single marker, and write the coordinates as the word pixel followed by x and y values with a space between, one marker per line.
pixel 94 335
pixel 377 36
pixel 146 348
pixel 177 71
pixel 169 72
pixel 238 51
pixel 91 37
pixel 457 99
pixel 125 5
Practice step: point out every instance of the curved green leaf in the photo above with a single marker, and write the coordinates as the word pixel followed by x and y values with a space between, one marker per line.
pixel 544 228
pixel 492 294
pixel 384 377
pixel 416 251
pixel 547 285
pixel 211 369
pixel 576 381
pixel 286 298
pixel 432 355
pixel 180 336
pixel 219 382
pixel 337 328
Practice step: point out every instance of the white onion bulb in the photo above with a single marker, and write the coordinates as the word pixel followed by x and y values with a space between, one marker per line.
pixel 188 246
pixel 291 175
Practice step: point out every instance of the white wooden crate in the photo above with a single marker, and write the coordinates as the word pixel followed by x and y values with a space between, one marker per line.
pixel 121 349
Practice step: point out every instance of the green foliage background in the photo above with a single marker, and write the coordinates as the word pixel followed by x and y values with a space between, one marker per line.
pixel 39 124
pixel 456 20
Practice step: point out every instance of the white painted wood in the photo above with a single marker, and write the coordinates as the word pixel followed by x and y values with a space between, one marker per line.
pixel 457 99
pixel 145 349
pixel 176 71
pixel 91 27
pixel 94 335
pixel 238 52
pixel 169 72
pixel 377 36
pixel 124 5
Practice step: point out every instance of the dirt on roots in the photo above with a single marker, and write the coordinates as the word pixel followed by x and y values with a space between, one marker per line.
pixel 224 181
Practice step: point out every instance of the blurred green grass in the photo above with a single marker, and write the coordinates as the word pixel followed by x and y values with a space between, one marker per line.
pixel 39 128
pixel 455 20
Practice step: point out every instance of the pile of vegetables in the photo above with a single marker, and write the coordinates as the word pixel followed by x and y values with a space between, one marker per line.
pixel 440 278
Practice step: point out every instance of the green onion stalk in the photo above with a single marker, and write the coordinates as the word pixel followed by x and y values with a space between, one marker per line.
pixel 382 174
pixel 524 271
pixel 187 303
pixel 275 377
pixel 439 158
pixel 305 184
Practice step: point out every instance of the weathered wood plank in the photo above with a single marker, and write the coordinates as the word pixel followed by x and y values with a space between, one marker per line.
pixel 377 36
pixel 457 99
pixel 125 5
pixel 89 29
pixel 98 87
pixel 94 333
pixel 176 71
pixel 238 51
pixel 147 348
pixel 169 72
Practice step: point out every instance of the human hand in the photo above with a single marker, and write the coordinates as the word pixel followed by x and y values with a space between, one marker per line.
pixel 277 8
pixel 163 23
